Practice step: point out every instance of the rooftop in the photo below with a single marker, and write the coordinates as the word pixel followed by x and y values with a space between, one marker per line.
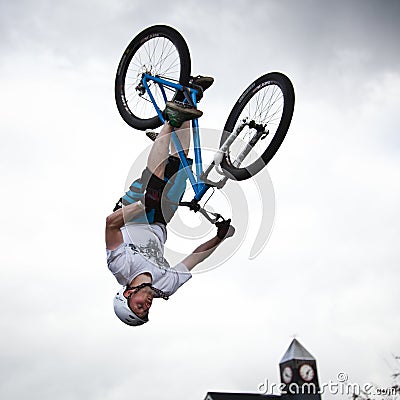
pixel 296 352
pixel 239 396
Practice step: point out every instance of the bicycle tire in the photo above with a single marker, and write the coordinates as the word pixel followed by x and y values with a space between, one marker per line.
pixel 260 102
pixel 161 51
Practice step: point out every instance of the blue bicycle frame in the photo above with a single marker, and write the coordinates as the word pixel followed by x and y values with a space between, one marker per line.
pixel 199 187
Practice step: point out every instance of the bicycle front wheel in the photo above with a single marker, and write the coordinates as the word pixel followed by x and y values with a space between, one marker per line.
pixel 158 51
pixel 263 114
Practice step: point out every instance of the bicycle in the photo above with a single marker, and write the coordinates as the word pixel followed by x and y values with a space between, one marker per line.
pixel 155 68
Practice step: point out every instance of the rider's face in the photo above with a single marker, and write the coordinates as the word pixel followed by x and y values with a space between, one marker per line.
pixel 141 301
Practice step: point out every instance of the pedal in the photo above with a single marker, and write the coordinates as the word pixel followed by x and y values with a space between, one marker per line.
pixel 141 89
pixel 199 91
pixel 151 135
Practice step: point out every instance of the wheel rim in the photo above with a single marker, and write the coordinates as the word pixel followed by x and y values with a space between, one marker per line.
pixel 159 57
pixel 264 108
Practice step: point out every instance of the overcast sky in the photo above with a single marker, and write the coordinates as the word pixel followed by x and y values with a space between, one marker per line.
pixel 330 271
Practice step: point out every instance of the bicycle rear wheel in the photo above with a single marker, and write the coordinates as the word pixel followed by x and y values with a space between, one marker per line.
pixel 159 51
pixel 264 112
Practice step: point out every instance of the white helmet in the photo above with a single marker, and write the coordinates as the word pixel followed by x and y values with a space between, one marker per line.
pixel 123 312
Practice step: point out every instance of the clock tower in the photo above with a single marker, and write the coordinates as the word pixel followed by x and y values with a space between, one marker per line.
pixel 298 370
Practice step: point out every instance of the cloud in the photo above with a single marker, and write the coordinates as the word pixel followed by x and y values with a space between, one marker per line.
pixel 330 270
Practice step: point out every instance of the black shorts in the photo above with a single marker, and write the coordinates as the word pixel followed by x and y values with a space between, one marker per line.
pixel 169 190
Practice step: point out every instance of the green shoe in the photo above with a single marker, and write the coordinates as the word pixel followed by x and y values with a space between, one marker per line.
pixel 177 114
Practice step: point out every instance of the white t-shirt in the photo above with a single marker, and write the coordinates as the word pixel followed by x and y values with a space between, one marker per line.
pixel 145 255
pixel 149 239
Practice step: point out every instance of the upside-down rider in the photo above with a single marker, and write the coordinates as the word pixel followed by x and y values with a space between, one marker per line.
pixel 136 230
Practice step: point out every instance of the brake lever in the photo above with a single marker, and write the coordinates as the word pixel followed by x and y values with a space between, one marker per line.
pixel 207 215
pixel 194 206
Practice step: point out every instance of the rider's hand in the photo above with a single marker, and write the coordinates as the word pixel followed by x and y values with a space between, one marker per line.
pixel 225 229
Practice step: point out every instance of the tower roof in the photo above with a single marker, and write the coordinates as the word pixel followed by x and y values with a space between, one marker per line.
pixel 296 352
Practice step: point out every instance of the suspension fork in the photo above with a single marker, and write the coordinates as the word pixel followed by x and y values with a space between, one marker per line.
pixel 259 134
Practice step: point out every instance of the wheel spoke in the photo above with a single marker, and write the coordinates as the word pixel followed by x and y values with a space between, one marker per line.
pixel 157 56
pixel 265 107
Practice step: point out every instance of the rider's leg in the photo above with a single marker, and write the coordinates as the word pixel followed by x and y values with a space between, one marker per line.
pixel 161 167
pixel 159 152
pixel 184 137
pixel 155 177
pixel 175 174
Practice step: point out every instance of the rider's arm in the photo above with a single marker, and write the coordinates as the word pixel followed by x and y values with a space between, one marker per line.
pixel 116 220
pixel 207 248
pixel 201 253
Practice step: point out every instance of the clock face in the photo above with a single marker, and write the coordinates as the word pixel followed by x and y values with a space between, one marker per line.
pixel 306 372
pixel 287 374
